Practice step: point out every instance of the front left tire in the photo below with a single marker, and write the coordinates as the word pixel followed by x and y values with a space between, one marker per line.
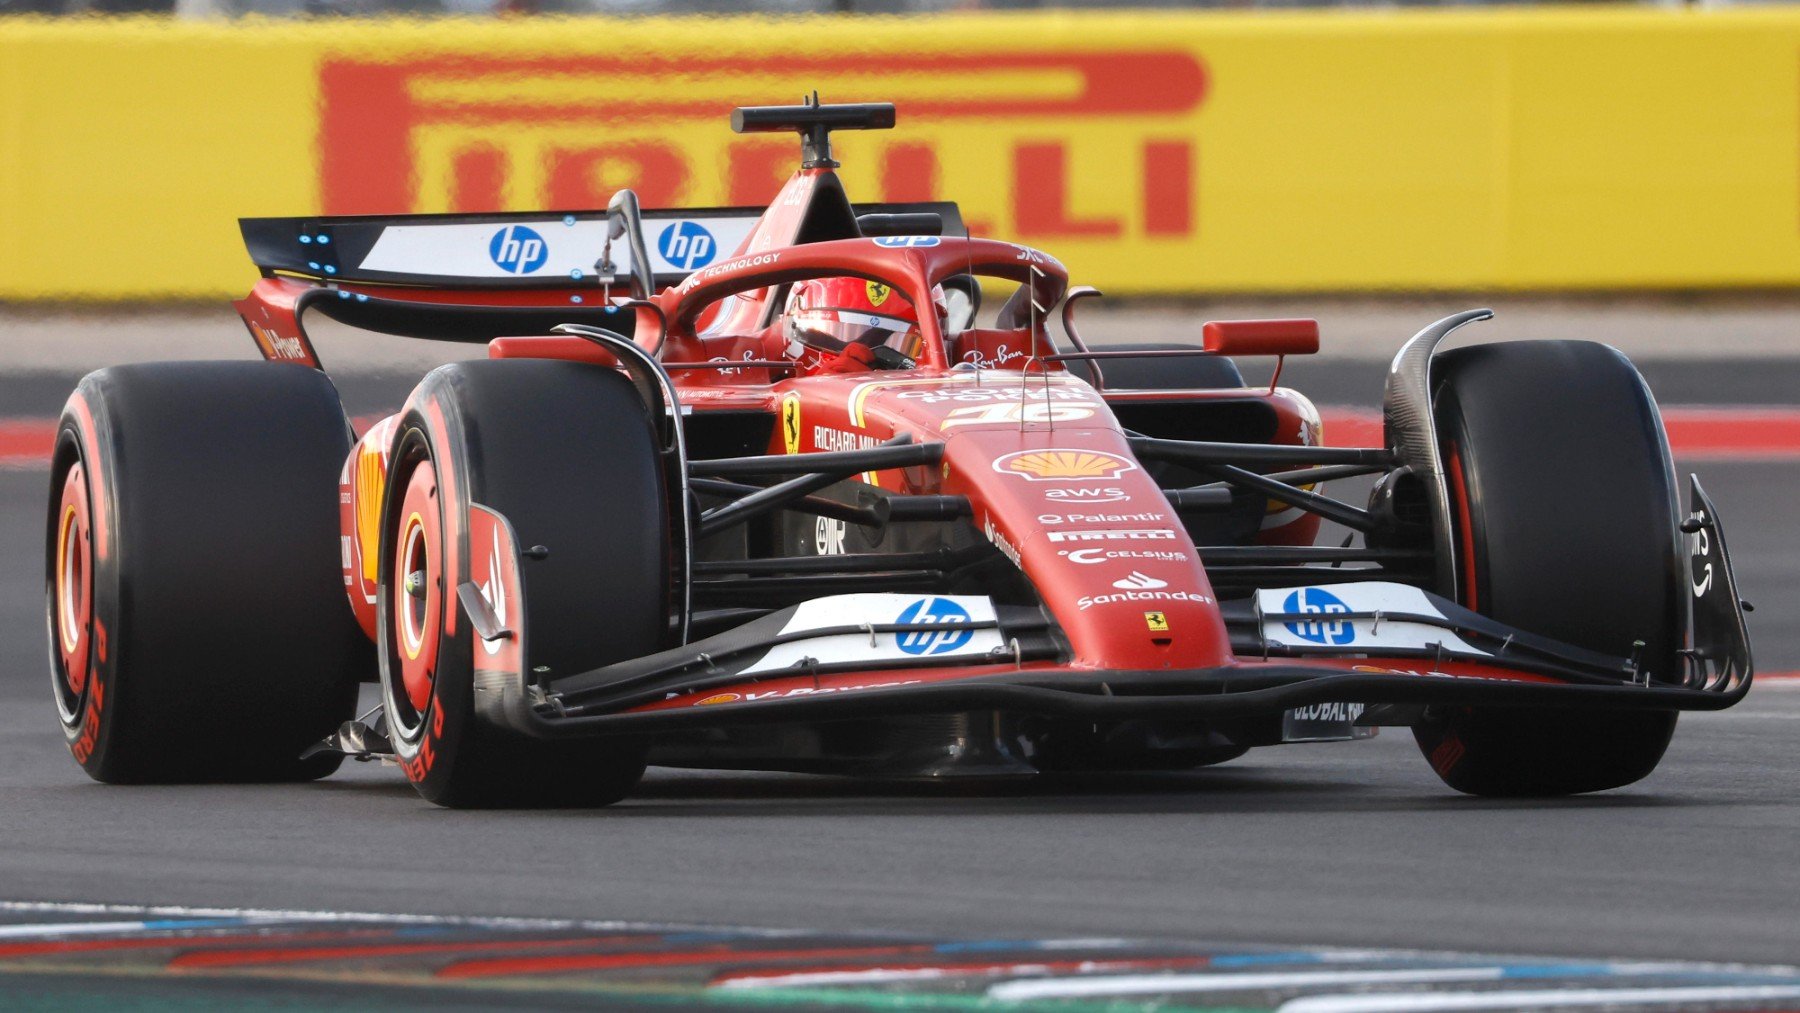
pixel 566 453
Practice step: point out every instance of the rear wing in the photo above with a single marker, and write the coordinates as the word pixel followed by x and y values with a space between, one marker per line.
pixel 529 250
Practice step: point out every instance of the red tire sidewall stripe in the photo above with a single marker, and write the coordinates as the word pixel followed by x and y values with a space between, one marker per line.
pixel 419 543
pixel 72 626
pixel 1465 526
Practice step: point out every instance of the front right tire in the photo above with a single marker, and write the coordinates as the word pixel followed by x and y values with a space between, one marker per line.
pixel 1566 526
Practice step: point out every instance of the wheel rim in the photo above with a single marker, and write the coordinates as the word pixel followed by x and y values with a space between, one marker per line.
pixel 417 587
pixel 72 594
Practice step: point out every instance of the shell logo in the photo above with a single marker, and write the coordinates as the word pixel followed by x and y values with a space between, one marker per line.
pixel 1063 465
pixel 719 698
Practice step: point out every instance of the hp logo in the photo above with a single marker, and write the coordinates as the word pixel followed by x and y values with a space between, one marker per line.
pixel 518 250
pixel 905 241
pixel 933 610
pixel 687 245
pixel 1312 600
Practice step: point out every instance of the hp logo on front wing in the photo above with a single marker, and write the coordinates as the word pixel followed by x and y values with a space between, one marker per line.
pixel 1320 602
pixel 933 610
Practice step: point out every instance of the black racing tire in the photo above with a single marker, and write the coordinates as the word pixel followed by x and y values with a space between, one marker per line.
pixel 1565 517
pixel 1181 372
pixel 194 586
pixel 566 453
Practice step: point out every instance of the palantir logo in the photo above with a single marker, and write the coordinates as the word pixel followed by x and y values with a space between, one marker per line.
pixel 933 610
pixel 687 245
pixel 1313 600
pixel 517 249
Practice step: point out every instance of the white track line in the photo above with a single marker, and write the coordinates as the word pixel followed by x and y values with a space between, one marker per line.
pixel 1142 984
pixel 1426 1002
pixel 358 917
pixel 52 929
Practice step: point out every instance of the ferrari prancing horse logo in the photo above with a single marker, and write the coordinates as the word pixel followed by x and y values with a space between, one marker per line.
pixel 878 293
pixel 790 423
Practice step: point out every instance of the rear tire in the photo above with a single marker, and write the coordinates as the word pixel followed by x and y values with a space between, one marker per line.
pixel 194 590
pixel 565 452
pixel 1567 526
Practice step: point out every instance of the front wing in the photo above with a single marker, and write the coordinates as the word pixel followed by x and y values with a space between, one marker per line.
pixel 833 659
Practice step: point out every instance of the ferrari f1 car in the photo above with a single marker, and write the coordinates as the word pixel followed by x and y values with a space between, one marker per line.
pixel 682 515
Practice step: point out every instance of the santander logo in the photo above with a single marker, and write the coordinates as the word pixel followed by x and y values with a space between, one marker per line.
pixel 1137 581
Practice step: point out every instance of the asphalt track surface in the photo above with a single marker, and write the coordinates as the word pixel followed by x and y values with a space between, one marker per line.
pixel 1354 845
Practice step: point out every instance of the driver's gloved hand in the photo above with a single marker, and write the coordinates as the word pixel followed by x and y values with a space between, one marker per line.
pixel 854 358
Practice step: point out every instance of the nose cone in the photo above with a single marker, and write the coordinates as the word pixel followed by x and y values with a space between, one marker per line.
pixel 1098 540
pixel 1055 487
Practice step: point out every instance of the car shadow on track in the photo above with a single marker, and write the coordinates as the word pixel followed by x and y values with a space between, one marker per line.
pixel 1240 790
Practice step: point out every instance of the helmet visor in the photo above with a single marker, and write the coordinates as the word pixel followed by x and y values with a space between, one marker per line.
pixel 835 330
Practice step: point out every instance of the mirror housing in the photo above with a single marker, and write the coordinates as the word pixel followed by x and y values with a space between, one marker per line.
pixel 1261 337
pixel 625 220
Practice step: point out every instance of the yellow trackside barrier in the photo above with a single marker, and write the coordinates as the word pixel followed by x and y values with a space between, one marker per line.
pixel 1595 148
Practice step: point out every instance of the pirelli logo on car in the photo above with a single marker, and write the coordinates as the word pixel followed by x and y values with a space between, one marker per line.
pixel 472 132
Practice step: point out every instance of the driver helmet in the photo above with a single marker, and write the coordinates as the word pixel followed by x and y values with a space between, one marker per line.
pixel 831 314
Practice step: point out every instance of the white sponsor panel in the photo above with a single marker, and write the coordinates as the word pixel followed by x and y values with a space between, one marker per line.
pixel 549 247
pixel 884 609
pixel 1319 606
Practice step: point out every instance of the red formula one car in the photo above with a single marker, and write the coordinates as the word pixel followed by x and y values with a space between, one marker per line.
pixel 811 507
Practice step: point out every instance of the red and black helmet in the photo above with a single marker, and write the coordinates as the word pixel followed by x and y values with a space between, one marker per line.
pixel 831 314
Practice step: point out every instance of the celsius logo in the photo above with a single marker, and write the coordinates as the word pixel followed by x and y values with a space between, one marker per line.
pixel 933 610
pixel 1139 581
pixel 1317 601
pixel 687 245
pixel 518 250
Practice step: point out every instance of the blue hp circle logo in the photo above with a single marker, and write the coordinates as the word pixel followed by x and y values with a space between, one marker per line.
pixel 933 610
pixel 906 241
pixel 1313 600
pixel 687 245
pixel 518 250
